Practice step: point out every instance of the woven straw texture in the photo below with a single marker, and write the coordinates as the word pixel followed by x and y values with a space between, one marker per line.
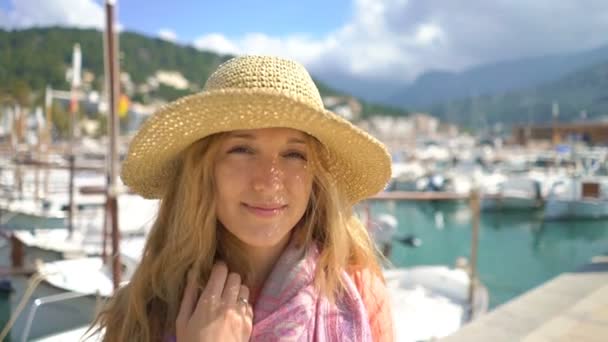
pixel 253 92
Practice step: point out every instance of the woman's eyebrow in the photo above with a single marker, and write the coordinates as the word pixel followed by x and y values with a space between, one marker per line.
pixel 296 141
pixel 242 135
pixel 249 136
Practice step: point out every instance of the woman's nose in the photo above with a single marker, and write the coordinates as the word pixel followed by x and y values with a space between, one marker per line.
pixel 267 175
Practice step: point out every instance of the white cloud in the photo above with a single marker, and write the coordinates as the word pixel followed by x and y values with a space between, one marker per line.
pixel 216 42
pixel 397 40
pixel 300 46
pixel 429 34
pixel 387 40
pixel 73 13
pixel 167 34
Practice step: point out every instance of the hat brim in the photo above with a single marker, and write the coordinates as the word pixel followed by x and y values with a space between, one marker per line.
pixel 360 164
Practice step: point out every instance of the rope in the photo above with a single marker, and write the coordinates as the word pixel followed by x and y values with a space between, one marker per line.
pixel 34 280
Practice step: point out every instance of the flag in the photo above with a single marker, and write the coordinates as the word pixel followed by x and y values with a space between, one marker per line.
pixel 123 106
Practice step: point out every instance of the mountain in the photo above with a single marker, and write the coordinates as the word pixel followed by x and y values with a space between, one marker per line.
pixel 579 95
pixel 39 57
pixel 440 86
pixel 370 90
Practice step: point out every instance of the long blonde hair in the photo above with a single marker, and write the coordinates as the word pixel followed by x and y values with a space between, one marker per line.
pixel 187 234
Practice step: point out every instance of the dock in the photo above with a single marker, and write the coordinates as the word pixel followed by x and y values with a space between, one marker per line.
pixel 6 271
pixel 571 307
pixel 420 196
pixel 429 196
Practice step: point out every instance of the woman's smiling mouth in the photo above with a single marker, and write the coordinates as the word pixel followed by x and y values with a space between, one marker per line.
pixel 265 210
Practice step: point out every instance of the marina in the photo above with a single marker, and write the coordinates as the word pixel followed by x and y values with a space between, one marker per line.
pixel 517 253
pixel 482 234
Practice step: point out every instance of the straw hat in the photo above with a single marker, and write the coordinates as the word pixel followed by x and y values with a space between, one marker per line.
pixel 252 92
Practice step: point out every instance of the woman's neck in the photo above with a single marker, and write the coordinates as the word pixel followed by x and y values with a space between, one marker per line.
pixel 262 261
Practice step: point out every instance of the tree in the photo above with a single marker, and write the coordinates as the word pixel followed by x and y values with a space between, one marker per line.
pixel 21 93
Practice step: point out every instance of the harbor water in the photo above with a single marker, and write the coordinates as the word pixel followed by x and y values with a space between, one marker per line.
pixel 517 251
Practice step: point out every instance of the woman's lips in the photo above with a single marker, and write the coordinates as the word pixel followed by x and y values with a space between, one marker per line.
pixel 264 210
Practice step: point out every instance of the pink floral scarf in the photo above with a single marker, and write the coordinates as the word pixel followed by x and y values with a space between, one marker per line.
pixel 290 308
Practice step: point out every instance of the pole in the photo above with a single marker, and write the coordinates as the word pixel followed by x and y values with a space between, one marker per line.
pixel 48 104
pixel 474 203
pixel 37 154
pixel 555 138
pixel 18 129
pixel 112 71
pixel 76 62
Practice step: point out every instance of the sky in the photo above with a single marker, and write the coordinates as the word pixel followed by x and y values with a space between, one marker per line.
pixel 382 41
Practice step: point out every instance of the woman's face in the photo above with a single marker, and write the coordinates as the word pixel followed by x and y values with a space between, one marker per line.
pixel 263 184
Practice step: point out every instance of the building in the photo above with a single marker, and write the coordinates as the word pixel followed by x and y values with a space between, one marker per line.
pixel 594 133
pixel 345 106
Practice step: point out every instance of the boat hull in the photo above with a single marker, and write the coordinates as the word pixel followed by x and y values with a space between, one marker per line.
pixel 575 209
pixel 510 204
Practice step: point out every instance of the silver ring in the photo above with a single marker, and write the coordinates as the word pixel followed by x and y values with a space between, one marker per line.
pixel 242 300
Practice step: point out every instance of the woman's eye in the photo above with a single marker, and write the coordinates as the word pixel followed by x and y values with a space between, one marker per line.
pixel 296 155
pixel 240 149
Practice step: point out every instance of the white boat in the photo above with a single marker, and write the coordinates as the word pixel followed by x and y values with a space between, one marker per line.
pixel 91 275
pixel 578 198
pixel 404 176
pixel 69 286
pixel 136 215
pixel 33 203
pixel 430 302
pixel 515 193
pixel 77 334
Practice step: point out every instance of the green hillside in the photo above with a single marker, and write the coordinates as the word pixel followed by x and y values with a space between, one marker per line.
pixel 33 58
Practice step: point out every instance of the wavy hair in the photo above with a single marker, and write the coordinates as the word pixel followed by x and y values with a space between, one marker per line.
pixel 187 234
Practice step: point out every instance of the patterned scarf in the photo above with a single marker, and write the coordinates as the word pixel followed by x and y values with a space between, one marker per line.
pixel 290 308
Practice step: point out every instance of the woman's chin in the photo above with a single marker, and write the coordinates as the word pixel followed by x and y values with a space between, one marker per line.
pixel 264 240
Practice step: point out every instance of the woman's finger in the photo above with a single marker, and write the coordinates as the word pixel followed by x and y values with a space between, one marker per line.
pixel 215 285
pixel 232 288
pixel 188 298
pixel 242 300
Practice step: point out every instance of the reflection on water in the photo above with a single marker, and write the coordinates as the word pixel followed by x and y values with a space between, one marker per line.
pixel 517 251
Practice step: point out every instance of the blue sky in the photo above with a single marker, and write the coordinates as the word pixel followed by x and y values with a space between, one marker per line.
pixel 190 19
pixel 380 42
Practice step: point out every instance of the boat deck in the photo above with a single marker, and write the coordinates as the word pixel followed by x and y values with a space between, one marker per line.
pixel 571 307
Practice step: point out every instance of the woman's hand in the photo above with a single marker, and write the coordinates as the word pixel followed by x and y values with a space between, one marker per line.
pixel 221 313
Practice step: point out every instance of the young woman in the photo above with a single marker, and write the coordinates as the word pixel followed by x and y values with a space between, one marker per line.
pixel 255 238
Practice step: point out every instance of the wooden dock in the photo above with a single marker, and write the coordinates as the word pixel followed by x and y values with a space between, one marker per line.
pixel 420 196
pixel 6 271
pixel 571 307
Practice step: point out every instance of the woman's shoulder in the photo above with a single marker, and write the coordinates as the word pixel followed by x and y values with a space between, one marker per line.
pixel 369 282
pixel 374 294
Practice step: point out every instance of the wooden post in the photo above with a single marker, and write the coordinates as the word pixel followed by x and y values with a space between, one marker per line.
pixel 76 63
pixel 474 203
pixel 48 104
pixel 555 136
pixel 17 252
pixel 37 158
pixel 72 206
pixel 17 129
pixel 106 223
pixel 112 72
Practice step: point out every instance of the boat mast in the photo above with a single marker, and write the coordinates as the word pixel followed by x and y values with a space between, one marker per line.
pixel 76 66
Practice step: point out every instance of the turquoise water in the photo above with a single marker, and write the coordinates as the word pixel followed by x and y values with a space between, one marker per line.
pixel 517 251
